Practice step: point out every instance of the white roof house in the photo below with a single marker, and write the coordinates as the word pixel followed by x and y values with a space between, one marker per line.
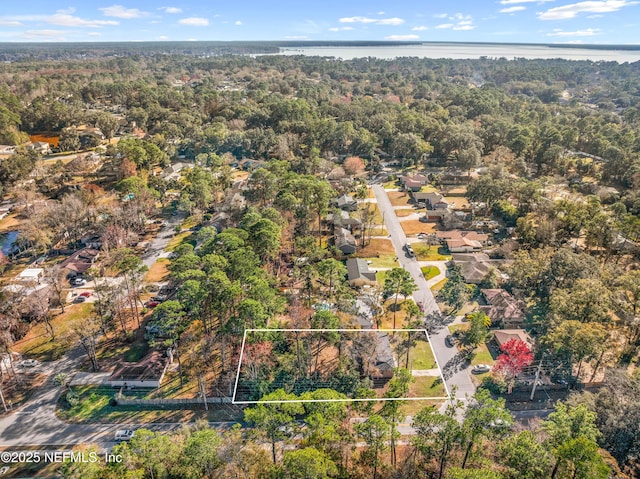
pixel 31 274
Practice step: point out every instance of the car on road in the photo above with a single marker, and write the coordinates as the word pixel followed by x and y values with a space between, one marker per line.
pixel 481 369
pixel 27 363
pixel 85 294
pixel 124 435
pixel 152 304
pixel 409 250
pixel 80 299
pixel 78 281
pixel 450 341
pixel 159 298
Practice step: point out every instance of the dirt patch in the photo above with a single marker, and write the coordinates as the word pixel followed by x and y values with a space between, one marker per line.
pixel 399 198
pixel 402 213
pixel 413 227
pixel 377 247
pixel 459 201
pixel 158 271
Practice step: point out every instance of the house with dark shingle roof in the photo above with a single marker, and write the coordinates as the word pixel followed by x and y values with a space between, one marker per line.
pixel 345 241
pixel 359 274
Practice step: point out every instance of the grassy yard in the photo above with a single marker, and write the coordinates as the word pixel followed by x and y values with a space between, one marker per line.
pixel 399 198
pixel 177 240
pixel 386 261
pixel 421 356
pixel 405 212
pixel 94 405
pixel 481 354
pixel 380 276
pixel 411 408
pixel 377 247
pixel 430 272
pixel 439 285
pixel 413 227
pixel 190 222
pixel 37 343
pixel 425 252
pixel 459 201
pixel 387 317
pixel 158 271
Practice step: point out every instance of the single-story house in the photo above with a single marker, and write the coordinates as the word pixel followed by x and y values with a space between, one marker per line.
pixel 463 245
pixel 359 274
pixel 414 183
pixel 474 272
pixel 345 241
pixel 31 275
pixel 432 200
pixel 80 262
pixel 344 220
pixel 502 336
pixel 502 308
pixel 173 172
pixel 146 373
pixel 443 236
pixel 346 202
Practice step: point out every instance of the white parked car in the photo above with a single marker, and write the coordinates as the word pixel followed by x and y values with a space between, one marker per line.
pixel 27 363
pixel 78 281
pixel 124 435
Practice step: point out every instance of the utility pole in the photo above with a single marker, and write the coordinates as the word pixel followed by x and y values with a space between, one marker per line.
pixel 535 381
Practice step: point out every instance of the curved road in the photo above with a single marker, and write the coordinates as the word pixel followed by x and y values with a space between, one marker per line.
pixel 447 358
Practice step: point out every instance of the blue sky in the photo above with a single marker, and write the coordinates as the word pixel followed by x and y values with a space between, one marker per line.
pixel 529 21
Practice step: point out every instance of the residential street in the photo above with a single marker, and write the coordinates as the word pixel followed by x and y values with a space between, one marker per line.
pixel 447 358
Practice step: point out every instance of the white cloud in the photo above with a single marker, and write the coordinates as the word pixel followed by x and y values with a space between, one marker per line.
pixel 380 13
pixel 464 27
pixel 237 23
pixel 400 38
pixel 68 10
pixel 163 37
pixel 440 15
pixel 94 34
pixel 445 25
pixel 513 9
pixel 65 20
pixel 588 32
pixel 377 21
pixel 340 29
pixel 171 9
pixel 194 21
pixel 119 11
pixel 419 29
pixel 296 37
pixel 572 10
pixel 192 39
pixel 44 33
pixel 10 23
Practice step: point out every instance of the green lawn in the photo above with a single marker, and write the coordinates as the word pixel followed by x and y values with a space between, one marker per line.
pixel 37 343
pixel 421 356
pixel 430 253
pixel 384 261
pixel 427 386
pixel 380 276
pixel 430 272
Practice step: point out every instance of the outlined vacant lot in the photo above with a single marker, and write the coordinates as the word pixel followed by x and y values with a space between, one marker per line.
pixel 301 361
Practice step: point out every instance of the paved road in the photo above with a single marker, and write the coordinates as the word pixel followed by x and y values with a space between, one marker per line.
pixel 35 423
pixel 448 359
pixel 160 242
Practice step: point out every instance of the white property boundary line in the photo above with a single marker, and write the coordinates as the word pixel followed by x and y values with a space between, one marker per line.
pixel 264 330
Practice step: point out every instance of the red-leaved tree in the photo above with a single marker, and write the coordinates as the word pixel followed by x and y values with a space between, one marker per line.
pixel 515 356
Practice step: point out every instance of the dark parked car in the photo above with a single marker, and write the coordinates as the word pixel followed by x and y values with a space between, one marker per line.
pixel 450 341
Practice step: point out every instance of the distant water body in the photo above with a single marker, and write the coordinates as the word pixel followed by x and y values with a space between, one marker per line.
pixel 467 51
